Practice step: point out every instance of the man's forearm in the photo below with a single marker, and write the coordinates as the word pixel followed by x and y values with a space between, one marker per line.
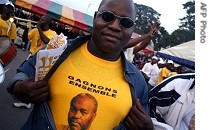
pixel 135 41
pixel 142 46
pixel 44 38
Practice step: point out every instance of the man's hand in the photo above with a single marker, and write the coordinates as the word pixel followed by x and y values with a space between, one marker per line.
pixel 138 119
pixel 43 26
pixel 30 91
pixel 154 29
pixel 192 123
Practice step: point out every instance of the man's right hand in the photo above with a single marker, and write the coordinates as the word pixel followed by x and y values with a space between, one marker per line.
pixel 154 29
pixel 29 91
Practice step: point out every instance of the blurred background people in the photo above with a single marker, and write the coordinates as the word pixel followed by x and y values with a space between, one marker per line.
pixel 7 25
pixel 148 68
pixel 2 4
pixel 39 36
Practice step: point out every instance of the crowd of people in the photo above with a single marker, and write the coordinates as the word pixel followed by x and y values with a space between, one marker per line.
pixel 155 69
pixel 171 92
pixel 96 76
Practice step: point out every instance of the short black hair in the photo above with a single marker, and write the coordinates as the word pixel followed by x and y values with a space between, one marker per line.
pixel 9 5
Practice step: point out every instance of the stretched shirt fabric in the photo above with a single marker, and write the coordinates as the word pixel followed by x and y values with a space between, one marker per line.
pixel 4 25
pixel 115 85
pixel 36 42
pixel 172 101
pixel 103 80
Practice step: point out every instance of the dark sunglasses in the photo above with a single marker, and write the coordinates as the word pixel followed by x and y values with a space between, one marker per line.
pixel 108 16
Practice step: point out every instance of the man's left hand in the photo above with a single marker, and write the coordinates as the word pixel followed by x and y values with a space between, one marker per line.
pixel 138 119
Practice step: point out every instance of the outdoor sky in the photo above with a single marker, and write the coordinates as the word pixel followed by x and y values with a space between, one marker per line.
pixel 171 10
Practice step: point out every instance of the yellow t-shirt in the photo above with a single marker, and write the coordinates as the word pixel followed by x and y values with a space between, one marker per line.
pixel 172 73
pixel 36 42
pixel 4 28
pixel 82 72
pixel 164 73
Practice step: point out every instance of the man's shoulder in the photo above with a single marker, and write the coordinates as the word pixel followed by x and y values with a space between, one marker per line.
pixel 164 69
pixel 34 29
pixel 52 31
pixel 2 19
pixel 14 25
pixel 147 64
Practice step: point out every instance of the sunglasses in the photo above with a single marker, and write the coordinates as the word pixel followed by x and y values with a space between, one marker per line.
pixel 108 16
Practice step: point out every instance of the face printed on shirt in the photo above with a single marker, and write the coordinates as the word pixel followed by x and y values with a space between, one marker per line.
pixel 82 111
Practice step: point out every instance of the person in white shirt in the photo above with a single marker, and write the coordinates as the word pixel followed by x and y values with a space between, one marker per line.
pixel 155 73
pixel 148 68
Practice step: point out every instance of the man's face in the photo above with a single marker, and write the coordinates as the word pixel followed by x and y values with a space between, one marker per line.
pixel 161 65
pixel 81 113
pixel 43 20
pixel 154 61
pixel 111 37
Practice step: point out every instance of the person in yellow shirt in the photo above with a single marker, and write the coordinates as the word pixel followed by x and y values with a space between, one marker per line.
pixel 7 26
pixel 39 36
pixel 93 64
pixel 166 71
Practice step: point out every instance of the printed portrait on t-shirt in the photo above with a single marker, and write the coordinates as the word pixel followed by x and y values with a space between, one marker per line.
pixel 82 111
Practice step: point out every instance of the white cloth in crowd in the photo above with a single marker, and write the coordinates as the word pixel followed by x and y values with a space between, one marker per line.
pixel 147 69
pixel 154 75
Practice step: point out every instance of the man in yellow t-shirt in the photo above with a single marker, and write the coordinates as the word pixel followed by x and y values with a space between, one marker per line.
pixel 39 36
pixel 7 26
pixel 166 71
pixel 93 64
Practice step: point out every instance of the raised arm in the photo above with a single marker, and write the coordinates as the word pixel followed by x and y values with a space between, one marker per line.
pixel 43 37
pixel 144 40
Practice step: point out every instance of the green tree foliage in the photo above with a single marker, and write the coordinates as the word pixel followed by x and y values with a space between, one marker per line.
pixel 182 35
pixel 145 16
pixel 176 38
pixel 188 22
pixel 186 31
